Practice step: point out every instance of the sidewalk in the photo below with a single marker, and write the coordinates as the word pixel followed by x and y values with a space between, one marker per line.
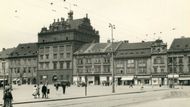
pixel 23 94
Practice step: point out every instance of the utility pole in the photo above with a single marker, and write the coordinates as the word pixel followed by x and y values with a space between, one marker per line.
pixel 173 64
pixel 3 67
pixel 112 59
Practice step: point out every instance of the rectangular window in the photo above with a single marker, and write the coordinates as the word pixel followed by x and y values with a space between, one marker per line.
pixel 55 49
pixel 162 60
pixel 46 49
pixel 29 70
pixel 47 56
pixel 61 65
pixel 61 48
pixel 180 69
pixel 68 65
pixel 68 47
pixel 54 65
pixel 180 60
pixel 41 65
pixel 61 55
pixel 80 61
pixel 41 50
pixel 41 57
pixel 46 65
pixel 68 55
pixel 155 69
pixel 54 56
pixel 24 70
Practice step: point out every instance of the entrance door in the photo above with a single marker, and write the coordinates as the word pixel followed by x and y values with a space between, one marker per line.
pixel 162 81
pixel 97 80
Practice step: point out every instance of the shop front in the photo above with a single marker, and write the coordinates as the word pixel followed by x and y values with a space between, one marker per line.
pixel 159 80
pixel 142 79
pixel 173 79
pixel 184 79
pixel 127 80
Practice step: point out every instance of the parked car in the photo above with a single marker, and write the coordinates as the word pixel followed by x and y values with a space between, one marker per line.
pixel 61 82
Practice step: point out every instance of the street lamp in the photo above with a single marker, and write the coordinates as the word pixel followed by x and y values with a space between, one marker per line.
pixel 112 51
pixel 173 29
pixel 3 67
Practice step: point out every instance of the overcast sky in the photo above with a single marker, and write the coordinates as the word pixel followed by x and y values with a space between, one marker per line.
pixel 135 20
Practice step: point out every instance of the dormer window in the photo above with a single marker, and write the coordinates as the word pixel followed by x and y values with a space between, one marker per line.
pixel 67 38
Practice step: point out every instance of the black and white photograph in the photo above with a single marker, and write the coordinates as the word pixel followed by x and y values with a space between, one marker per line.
pixel 95 53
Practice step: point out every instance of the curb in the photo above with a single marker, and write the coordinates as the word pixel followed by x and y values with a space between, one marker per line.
pixel 93 96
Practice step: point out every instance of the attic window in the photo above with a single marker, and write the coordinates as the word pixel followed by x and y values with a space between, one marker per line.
pixel 22 47
pixel 28 47
pixel 131 52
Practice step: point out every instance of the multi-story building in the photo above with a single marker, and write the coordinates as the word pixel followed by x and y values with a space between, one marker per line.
pixel 133 63
pixel 57 44
pixel 159 63
pixel 5 63
pixel 93 62
pixel 179 61
pixel 23 63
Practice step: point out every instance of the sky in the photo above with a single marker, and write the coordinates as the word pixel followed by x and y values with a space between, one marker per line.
pixel 134 20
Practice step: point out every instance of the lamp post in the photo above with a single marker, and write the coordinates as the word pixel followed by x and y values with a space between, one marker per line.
pixel 3 67
pixel 173 29
pixel 112 62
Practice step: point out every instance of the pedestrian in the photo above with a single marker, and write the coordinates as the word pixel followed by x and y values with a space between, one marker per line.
pixel 131 85
pixel 48 91
pixel 34 91
pixel 57 86
pixel 44 91
pixel 7 98
pixel 142 87
pixel 64 87
pixel 181 85
pixel 38 91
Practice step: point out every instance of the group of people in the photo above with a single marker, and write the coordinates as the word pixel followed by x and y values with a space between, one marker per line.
pixel 45 91
pixel 7 97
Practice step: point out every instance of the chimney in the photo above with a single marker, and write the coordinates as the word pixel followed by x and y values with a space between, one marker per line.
pixel 126 41
pixel 3 49
pixel 86 15
pixel 143 41
pixel 108 41
pixel 70 15
pixel 54 20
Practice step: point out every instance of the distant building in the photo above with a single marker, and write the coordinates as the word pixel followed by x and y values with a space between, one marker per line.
pixel 23 63
pixel 57 44
pixel 179 61
pixel 133 63
pixel 93 61
pixel 159 73
pixel 5 63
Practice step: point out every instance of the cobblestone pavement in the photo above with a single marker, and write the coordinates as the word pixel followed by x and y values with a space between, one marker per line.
pixel 151 98
pixel 24 93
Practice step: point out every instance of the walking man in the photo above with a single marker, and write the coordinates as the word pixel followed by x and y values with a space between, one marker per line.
pixel 64 87
pixel 8 98
pixel 44 91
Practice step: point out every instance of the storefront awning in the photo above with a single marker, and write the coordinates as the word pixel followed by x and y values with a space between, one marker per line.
pixel 184 78
pixel 127 78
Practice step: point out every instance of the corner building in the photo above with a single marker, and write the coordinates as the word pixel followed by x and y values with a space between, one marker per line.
pixel 57 44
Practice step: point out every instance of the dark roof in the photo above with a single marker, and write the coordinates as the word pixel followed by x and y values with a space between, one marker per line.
pixel 180 44
pixel 94 48
pixel 140 49
pixel 25 50
pixel 139 45
pixel 5 53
